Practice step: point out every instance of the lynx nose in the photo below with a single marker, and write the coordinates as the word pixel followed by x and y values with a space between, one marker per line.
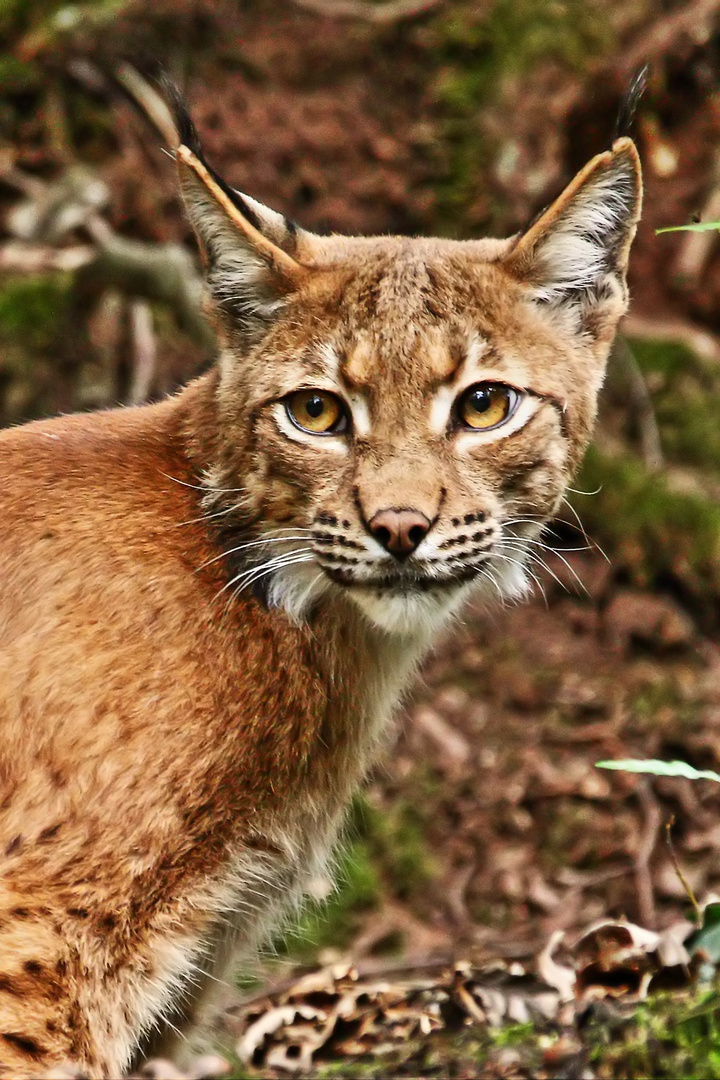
pixel 399 531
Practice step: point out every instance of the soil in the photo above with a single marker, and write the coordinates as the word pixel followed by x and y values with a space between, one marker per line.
pixel 499 750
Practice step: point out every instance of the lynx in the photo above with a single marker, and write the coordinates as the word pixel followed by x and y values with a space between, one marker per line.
pixel 211 606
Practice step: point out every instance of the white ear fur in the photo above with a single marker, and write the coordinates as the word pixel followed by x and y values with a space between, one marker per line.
pixel 274 226
pixel 580 249
pixel 576 253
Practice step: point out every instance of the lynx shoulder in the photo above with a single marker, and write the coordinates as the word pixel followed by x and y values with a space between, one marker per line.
pixel 210 606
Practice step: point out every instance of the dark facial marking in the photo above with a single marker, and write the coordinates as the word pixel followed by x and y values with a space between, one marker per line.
pixel 24 1044
pixel 8 985
pixel 49 833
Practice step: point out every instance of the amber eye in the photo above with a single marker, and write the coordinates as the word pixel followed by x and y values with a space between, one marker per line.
pixel 316 411
pixel 487 405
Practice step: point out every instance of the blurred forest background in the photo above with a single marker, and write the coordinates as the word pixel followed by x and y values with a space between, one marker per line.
pixel 489 829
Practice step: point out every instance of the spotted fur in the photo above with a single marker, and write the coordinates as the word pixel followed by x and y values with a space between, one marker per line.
pixel 202 639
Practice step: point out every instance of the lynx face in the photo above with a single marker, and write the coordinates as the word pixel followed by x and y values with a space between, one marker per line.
pixel 400 417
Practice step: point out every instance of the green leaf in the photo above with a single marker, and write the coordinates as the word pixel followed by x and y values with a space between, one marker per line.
pixel 661 768
pixel 696 226
pixel 707 938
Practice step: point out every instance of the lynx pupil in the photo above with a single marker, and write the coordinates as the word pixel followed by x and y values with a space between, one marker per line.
pixel 480 400
pixel 315 406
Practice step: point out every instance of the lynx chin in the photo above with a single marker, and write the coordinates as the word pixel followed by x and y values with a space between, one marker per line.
pixel 211 606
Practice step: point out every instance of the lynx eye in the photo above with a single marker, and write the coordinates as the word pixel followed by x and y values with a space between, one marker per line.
pixel 487 405
pixel 316 411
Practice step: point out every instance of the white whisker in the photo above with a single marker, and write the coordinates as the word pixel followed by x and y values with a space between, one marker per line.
pixel 207 517
pixel 204 487
pixel 519 547
pixel 272 564
pixel 537 560
pixel 250 544
pixel 525 569
pixel 576 491
pixel 264 570
pixel 486 573
pixel 275 563
pixel 587 539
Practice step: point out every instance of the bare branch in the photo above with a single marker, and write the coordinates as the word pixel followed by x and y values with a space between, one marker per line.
pixel 381 14
pixel 160 272
pixel 163 272
pixel 143 271
pixel 19 258
pixel 144 359
pixel 695 338
pixel 641 406
pixel 648 840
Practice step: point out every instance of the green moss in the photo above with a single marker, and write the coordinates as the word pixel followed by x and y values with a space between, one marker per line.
pixel 513 1034
pixel 476 52
pixel 352 1070
pixel 653 530
pixel 657 699
pixel 686 398
pixel 667 358
pixel 385 854
pixel 33 309
pixel 396 841
pixel 666 1037
pixel 17 75
pixel 331 923
pixel 508 39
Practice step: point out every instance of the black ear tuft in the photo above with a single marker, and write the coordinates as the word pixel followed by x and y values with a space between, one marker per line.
pixel 188 136
pixel 187 132
pixel 630 101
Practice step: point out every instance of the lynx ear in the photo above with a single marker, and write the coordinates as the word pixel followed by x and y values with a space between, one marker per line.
pixel 248 248
pixel 574 257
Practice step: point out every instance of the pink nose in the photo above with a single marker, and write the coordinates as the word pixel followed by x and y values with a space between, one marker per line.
pixel 399 531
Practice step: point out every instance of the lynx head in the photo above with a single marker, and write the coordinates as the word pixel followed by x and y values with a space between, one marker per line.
pixel 399 417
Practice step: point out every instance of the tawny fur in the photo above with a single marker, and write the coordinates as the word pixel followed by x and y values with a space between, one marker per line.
pixel 176 751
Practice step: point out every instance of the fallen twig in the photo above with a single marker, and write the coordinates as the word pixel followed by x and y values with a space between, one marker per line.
pixel 163 272
pixel 683 880
pixel 653 821
pixel 381 14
